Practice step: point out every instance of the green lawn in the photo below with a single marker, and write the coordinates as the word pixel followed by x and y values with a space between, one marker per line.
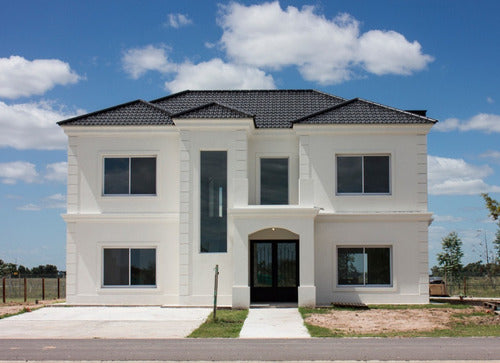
pixel 460 326
pixel 227 325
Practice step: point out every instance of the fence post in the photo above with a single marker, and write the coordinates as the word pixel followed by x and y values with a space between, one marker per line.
pixel 216 287
pixel 58 288
pixel 25 290
pixel 43 288
pixel 3 290
pixel 465 285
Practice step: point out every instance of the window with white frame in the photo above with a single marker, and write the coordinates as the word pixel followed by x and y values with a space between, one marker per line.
pixel 129 176
pixel 129 267
pixel 363 174
pixel 364 266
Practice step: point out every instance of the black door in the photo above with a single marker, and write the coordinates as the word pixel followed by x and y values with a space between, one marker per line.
pixel 274 271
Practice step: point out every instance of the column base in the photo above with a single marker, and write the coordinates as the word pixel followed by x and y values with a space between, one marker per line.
pixel 307 296
pixel 241 297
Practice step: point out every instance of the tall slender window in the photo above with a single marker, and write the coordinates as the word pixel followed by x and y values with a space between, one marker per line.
pixel 273 181
pixel 213 204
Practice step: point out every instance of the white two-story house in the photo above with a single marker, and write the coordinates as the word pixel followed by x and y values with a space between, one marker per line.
pixel 298 196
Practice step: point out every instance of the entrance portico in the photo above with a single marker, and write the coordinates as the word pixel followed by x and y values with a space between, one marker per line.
pixel 272 223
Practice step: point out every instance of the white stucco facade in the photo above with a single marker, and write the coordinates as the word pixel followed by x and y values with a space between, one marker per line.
pixel 317 216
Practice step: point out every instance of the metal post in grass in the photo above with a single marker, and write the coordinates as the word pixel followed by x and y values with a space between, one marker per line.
pixel 25 290
pixel 216 286
pixel 58 288
pixel 465 285
pixel 3 290
pixel 43 288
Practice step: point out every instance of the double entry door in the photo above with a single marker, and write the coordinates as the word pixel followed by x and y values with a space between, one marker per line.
pixel 274 271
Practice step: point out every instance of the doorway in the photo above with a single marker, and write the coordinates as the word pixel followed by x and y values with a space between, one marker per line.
pixel 274 270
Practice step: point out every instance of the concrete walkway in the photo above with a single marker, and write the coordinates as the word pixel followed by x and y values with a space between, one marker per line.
pixel 274 323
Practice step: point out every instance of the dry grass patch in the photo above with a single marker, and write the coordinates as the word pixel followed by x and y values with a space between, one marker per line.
pixel 401 322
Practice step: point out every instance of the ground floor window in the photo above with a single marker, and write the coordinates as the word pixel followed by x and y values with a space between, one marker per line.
pixel 129 267
pixel 363 266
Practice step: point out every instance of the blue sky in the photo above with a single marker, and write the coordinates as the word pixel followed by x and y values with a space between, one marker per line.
pixel 63 58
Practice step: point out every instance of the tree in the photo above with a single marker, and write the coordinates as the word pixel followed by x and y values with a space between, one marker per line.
pixel 494 208
pixel 451 257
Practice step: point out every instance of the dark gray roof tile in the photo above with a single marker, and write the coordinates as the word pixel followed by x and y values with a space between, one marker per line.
pixel 359 111
pixel 272 108
pixel 212 110
pixel 135 113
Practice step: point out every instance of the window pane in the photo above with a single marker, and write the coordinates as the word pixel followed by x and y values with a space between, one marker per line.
pixel 143 176
pixel 274 181
pixel 143 266
pixel 350 266
pixel 263 264
pixel 116 175
pixel 115 266
pixel 376 171
pixel 287 264
pixel 378 266
pixel 349 173
pixel 213 183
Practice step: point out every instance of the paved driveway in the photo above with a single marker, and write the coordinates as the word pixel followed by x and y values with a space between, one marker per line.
pixel 103 322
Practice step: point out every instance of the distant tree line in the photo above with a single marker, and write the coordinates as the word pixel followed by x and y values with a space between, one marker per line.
pixel 8 269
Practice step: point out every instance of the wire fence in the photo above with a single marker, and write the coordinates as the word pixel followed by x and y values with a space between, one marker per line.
pixel 474 286
pixel 19 289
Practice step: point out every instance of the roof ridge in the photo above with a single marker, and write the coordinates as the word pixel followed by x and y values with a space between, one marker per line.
pixel 211 104
pixel 328 109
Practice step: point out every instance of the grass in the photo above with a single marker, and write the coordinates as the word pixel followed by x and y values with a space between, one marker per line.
pixel 459 327
pixel 227 325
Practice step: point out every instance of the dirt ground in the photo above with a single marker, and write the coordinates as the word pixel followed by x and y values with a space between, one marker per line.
pixel 13 308
pixel 404 320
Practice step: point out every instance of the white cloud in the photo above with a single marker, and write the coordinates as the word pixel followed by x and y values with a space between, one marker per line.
pixel 178 20
pixel 325 50
pixel 216 74
pixel 32 126
pixel 451 219
pixel 491 154
pixel 490 100
pixel 57 172
pixel 21 77
pixel 481 122
pixel 55 201
pixel 456 177
pixel 12 172
pixel 138 61
pixel 30 207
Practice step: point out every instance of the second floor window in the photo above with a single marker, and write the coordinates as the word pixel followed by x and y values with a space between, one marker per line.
pixel 367 174
pixel 273 181
pixel 131 175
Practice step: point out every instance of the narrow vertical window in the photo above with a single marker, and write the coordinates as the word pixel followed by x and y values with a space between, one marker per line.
pixel 273 181
pixel 213 203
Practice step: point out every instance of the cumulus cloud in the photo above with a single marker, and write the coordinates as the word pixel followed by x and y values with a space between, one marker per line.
pixel 12 172
pixel 177 20
pixel 57 172
pixel 325 50
pixel 216 74
pixel 20 77
pixel 138 61
pixel 33 125
pixel 448 176
pixel 481 122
